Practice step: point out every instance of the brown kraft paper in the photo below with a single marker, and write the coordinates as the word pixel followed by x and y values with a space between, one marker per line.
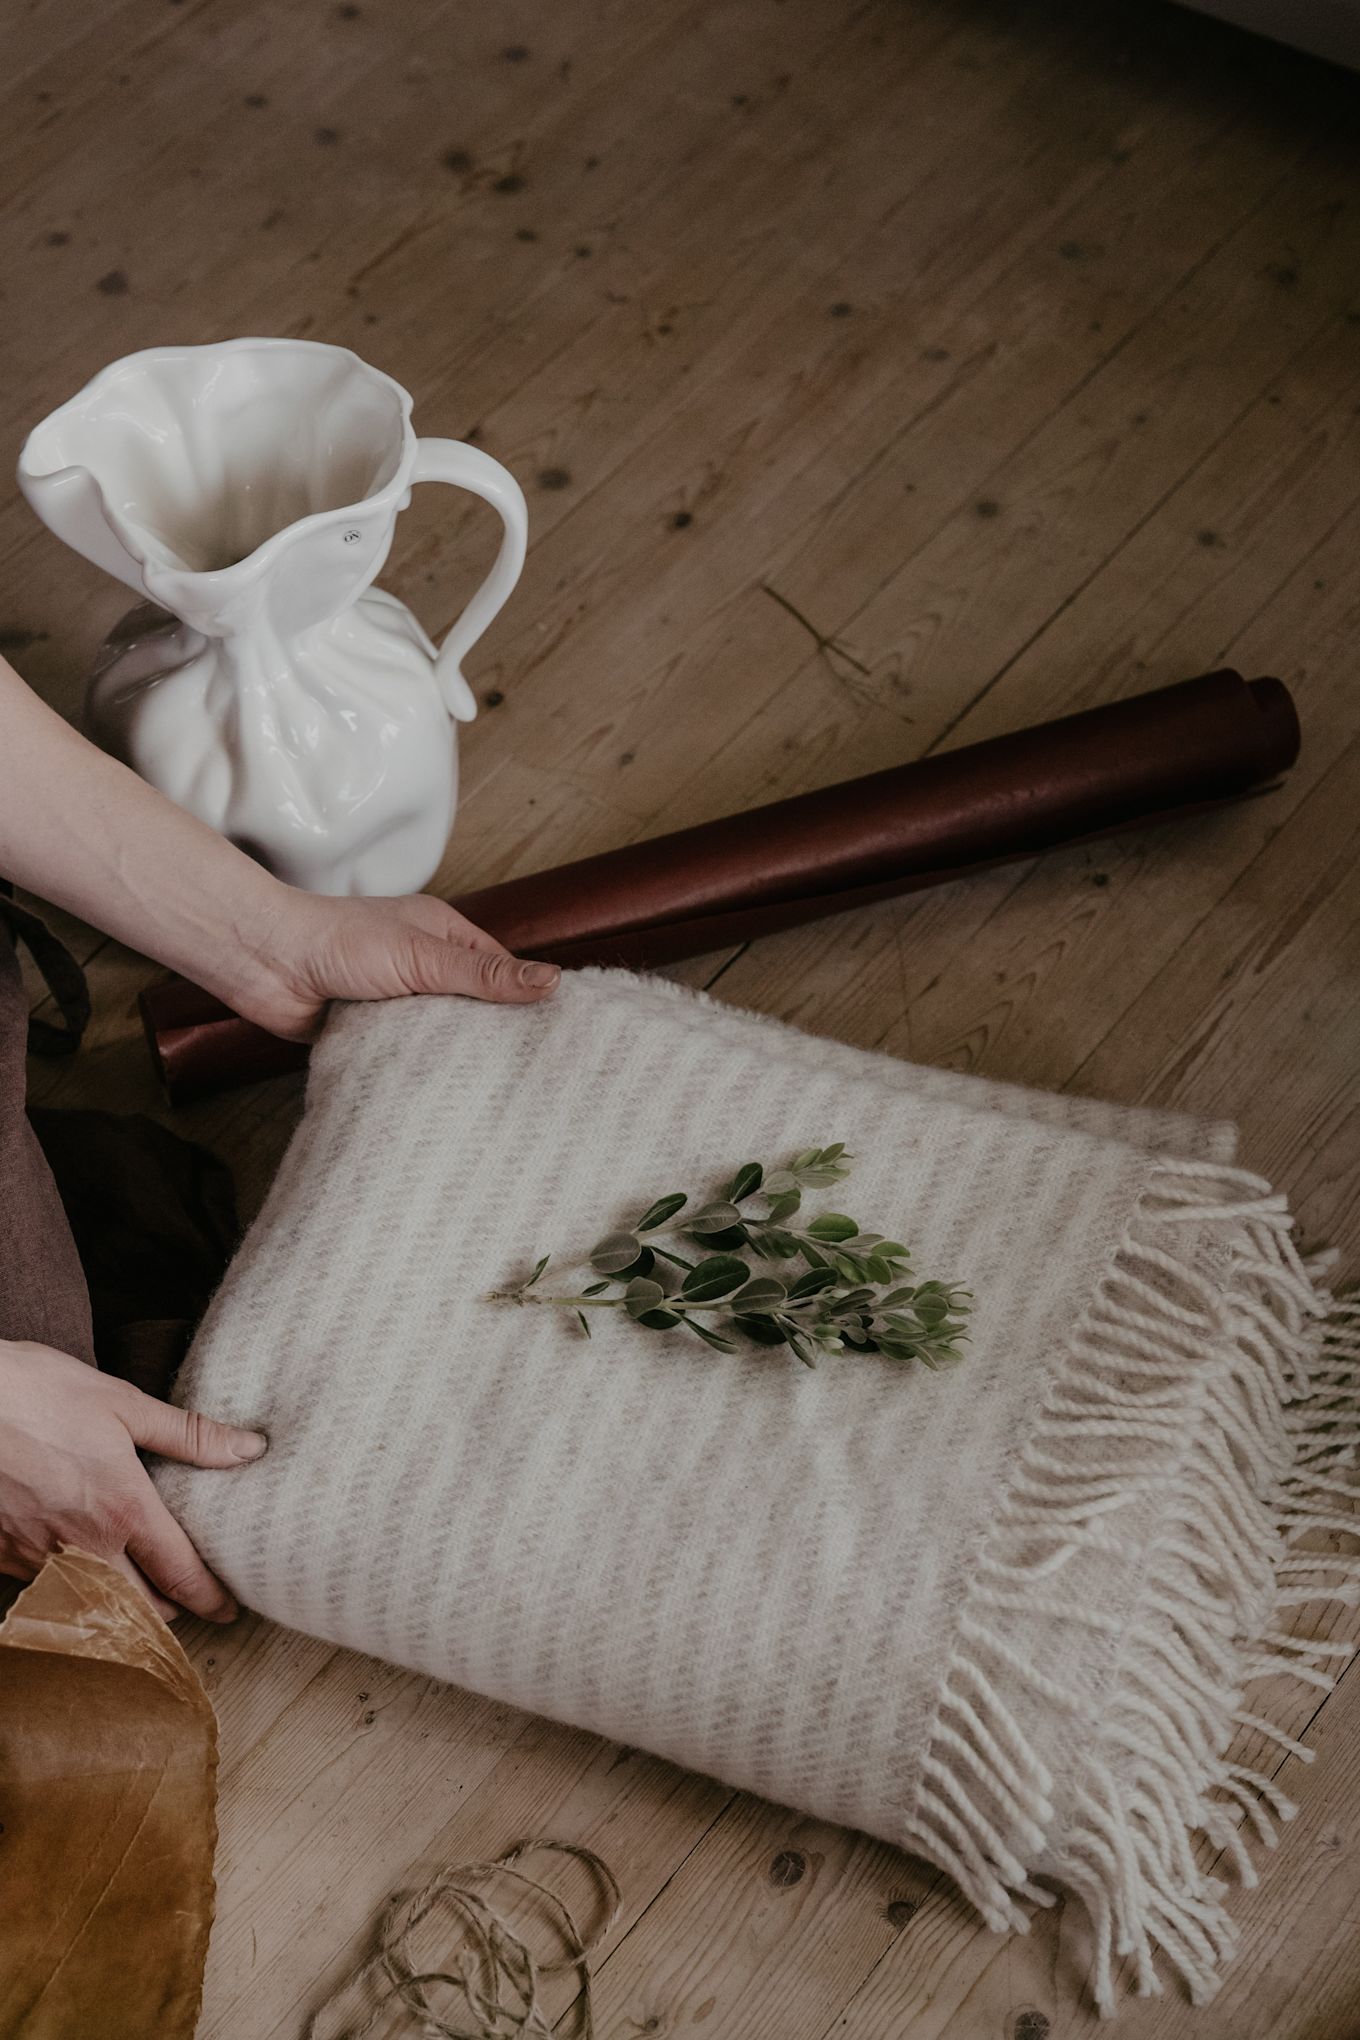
pixel 108 1762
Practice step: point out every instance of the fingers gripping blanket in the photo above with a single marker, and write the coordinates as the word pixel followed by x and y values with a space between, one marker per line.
pixel 1002 1615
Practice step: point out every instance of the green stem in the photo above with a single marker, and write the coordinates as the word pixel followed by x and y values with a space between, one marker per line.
pixel 682 1305
pixel 676 1260
pixel 572 1302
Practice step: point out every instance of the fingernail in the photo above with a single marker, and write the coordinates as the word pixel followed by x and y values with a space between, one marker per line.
pixel 249 1444
pixel 540 975
pixel 226 1611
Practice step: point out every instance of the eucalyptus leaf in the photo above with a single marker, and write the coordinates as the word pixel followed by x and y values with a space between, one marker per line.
pixel 818 1168
pixel 711 1338
pixel 812 1283
pixel 539 1265
pixel 732 1240
pixel 762 1331
pixel 664 1208
pixel 642 1295
pixel 615 1253
pixel 897 1349
pixel 584 1322
pixel 802 1349
pixel 832 1225
pixel 766 1292
pixel 746 1182
pixel 714 1278
pixel 714 1218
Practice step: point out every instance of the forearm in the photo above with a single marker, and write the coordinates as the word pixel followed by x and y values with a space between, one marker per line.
pixel 83 831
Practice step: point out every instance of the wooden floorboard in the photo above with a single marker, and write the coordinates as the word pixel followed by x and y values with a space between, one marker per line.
pixel 882 376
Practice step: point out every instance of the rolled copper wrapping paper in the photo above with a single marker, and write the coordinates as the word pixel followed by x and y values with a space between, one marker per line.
pixel 1176 751
pixel 108 1783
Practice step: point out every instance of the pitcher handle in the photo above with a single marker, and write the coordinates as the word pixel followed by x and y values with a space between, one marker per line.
pixel 467 467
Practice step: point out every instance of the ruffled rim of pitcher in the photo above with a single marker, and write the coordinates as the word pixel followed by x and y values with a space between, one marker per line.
pixel 314 520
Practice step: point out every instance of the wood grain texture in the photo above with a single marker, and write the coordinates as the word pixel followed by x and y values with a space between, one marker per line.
pixel 882 376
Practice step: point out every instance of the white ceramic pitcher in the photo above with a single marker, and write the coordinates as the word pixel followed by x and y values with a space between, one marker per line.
pixel 251 490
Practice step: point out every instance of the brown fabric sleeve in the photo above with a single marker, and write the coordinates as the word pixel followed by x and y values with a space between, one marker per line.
pixel 107 1740
pixel 42 1289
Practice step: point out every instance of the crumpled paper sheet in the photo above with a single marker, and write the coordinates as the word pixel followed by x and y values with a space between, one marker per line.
pixel 108 1766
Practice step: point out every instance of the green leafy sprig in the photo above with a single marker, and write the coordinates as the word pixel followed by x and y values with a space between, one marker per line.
pixel 850 1290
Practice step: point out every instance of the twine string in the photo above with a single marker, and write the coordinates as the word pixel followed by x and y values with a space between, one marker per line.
pixel 496 1972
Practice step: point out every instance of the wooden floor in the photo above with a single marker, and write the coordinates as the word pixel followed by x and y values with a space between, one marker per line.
pixel 1016 347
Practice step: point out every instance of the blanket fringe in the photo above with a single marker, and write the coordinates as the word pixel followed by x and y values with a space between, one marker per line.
pixel 1206 1428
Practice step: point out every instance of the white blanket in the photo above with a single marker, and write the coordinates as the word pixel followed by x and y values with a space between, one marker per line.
pixel 1000 1615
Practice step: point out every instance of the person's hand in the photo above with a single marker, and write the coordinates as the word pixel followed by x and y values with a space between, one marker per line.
pixel 313 949
pixel 69 1474
pixel 86 833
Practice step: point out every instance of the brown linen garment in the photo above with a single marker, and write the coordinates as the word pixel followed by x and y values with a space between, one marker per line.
pixel 114 1232
pixel 42 1289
